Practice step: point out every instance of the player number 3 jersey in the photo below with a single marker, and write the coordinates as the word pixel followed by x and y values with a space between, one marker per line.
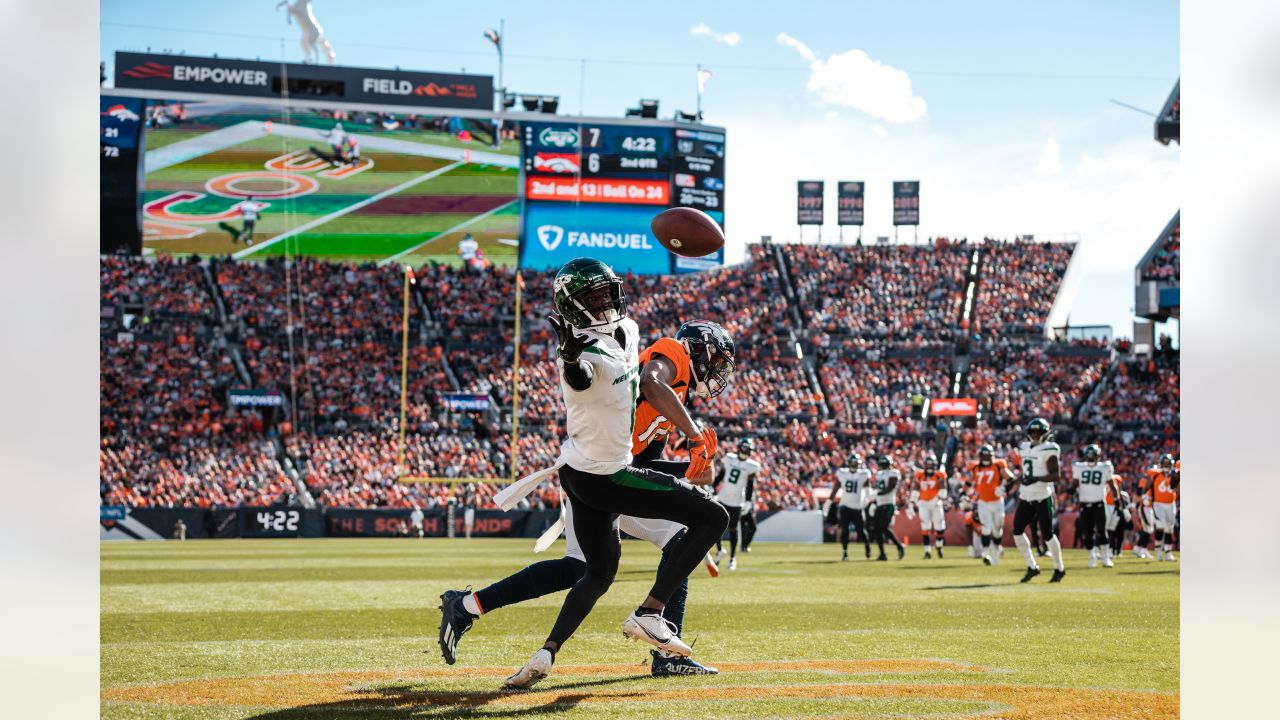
pixel 1035 464
pixel 1093 479
pixel 737 472
pixel 852 483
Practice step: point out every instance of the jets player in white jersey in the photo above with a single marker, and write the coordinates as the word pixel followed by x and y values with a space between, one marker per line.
pixel 885 501
pixel 1040 472
pixel 598 358
pixel 736 473
pixel 1094 477
pixel 851 484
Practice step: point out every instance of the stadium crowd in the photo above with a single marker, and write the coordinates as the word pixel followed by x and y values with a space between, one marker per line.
pixel 876 320
pixel 1166 263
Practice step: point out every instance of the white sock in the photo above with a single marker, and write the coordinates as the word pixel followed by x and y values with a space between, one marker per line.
pixel 1106 553
pixel 1055 552
pixel 1024 546
pixel 470 605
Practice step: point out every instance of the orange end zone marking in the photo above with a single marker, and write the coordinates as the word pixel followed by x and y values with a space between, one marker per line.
pixel 343 692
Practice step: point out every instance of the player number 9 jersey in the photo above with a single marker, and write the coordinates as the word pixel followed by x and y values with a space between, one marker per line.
pixel 737 472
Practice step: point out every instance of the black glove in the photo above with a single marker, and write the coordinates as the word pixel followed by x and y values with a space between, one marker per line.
pixel 569 346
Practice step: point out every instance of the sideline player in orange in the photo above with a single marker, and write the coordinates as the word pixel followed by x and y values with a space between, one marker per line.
pixel 1162 484
pixel 990 475
pixel 929 494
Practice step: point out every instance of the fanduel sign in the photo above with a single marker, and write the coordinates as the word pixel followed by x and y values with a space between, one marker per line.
pixel 555 233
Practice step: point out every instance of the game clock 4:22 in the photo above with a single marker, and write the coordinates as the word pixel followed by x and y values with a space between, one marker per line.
pixel 270 522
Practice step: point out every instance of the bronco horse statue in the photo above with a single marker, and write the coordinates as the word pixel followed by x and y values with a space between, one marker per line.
pixel 313 39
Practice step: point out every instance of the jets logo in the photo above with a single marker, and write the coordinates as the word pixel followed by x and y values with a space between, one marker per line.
pixel 560 283
pixel 550 237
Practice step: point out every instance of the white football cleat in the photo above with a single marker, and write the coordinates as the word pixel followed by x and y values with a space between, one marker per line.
pixel 719 556
pixel 657 631
pixel 1106 563
pixel 538 667
pixel 733 563
pixel 1169 557
pixel 1093 560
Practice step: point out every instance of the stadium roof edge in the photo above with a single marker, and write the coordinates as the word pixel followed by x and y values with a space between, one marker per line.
pixel 314 103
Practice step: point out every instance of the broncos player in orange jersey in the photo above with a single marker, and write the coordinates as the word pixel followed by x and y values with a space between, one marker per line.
pixel 990 475
pixel 1162 488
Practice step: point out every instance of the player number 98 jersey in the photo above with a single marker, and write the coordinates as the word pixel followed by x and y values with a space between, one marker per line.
pixel 1094 478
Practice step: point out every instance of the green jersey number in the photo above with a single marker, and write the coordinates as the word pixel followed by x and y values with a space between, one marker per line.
pixel 1091 477
pixel 1029 468
pixel 734 474
pixel 848 486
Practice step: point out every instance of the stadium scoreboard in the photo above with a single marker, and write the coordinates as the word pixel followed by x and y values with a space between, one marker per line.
pixel 120 146
pixel 591 189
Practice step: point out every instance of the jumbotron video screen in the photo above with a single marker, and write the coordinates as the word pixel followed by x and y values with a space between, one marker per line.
pixel 343 185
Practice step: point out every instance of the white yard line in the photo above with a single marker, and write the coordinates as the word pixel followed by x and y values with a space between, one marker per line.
pixel 350 208
pixel 191 148
pixel 454 229
pixel 403 147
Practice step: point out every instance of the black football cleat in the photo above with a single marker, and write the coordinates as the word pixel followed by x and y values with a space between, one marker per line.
pixel 868 552
pixel 939 549
pixel 455 621
pixel 1031 572
pixel 1058 575
pixel 902 552
pixel 667 666
pixel 882 558
pixel 845 558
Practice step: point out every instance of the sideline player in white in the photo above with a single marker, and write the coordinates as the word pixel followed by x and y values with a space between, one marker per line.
pixel 1094 478
pixel 885 504
pixel 598 350
pixel 736 472
pixel 851 484
pixel 1040 472
pixel 928 495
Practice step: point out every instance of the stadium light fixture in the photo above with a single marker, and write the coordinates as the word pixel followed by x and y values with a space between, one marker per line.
pixel 508 100
pixel 682 116
pixel 633 112
pixel 649 108
pixel 550 103
pixel 530 102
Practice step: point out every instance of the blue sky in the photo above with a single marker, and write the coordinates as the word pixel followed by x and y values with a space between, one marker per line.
pixel 999 108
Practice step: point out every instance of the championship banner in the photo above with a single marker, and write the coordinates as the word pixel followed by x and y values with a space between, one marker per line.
pixel 906 202
pixel 953 406
pixel 186 73
pixel 239 397
pixel 849 209
pixel 466 402
pixel 809 202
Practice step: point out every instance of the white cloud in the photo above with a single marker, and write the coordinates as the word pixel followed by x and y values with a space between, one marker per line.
pixel 1114 200
pixel 853 79
pixel 879 131
pixel 1050 159
pixel 731 38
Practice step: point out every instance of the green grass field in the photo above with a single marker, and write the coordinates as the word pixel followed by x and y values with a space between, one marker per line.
pixel 332 628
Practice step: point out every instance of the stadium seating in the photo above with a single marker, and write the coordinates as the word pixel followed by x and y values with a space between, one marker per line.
pixel 833 368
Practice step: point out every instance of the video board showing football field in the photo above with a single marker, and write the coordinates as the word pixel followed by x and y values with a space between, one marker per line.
pixel 591 190
pixel 342 185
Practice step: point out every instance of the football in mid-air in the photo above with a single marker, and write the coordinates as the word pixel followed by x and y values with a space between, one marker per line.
pixel 687 232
